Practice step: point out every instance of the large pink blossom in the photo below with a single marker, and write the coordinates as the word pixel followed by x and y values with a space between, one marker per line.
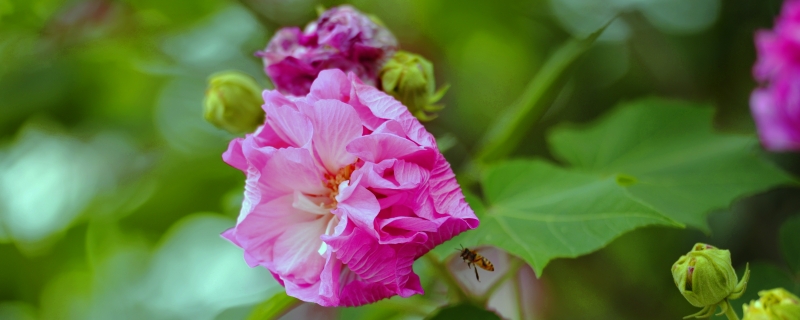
pixel 344 190
pixel 342 38
pixel 776 104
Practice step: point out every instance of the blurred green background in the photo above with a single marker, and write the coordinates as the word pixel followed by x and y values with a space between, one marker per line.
pixel 113 192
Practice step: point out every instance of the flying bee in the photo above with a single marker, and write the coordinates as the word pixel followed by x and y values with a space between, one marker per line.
pixel 475 260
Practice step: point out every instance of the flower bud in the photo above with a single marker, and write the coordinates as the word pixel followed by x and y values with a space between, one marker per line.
pixel 706 278
pixel 409 78
pixel 775 304
pixel 233 102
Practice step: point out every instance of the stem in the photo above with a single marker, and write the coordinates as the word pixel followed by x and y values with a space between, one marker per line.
pixel 508 130
pixel 729 311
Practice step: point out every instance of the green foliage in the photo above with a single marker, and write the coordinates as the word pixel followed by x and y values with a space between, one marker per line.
pixel 680 166
pixel 273 307
pixel 790 243
pixel 94 202
pixel 463 311
pixel 651 162
pixel 539 212
pixel 508 130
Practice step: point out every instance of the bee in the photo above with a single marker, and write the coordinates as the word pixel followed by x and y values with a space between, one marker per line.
pixel 475 260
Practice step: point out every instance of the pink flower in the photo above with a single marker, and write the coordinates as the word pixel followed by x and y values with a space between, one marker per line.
pixel 344 190
pixel 342 38
pixel 776 105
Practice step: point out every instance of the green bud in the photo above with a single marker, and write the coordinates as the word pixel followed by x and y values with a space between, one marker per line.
pixel 409 78
pixel 706 278
pixel 775 304
pixel 233 102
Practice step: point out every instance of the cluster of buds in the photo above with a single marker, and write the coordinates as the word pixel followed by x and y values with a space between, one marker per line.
pixel 706 278
pixel 341 38
pixel 775 304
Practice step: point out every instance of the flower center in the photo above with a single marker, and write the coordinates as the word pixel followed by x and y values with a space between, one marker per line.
pixel 334 181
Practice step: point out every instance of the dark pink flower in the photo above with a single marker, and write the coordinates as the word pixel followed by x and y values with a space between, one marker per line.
pixel 342 38
pixel 344 190
pixel 776 104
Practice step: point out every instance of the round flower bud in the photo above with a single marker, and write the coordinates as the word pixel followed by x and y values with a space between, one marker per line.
pixel 409 78
pixel 775 304
pixel 705 276
pixel 233 102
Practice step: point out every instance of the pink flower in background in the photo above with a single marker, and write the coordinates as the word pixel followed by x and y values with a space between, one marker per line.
pixel 344 190
pixel 776 105
pixel 342 38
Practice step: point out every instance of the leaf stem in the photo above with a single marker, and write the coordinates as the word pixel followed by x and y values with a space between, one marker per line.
pixel 508 130
pixel 729 312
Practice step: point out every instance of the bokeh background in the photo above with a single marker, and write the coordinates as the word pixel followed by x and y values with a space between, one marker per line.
pixel 113 192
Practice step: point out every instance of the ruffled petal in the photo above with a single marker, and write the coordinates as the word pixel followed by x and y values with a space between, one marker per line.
pixel 296 251
pixel 292 169
pixel 290 124
pixel 360 206
pixel 234 155
pixel 405 230
pixel 335 125
pixel 373 271
pixel 378 147
pixel 381 104
pixel 258 232
pixel 330 84
pixel 446 193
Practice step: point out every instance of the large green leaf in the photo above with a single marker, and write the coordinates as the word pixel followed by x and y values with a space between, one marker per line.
pixel 671 156
pixel 539 212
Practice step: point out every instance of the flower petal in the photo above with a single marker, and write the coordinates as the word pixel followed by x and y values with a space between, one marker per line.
pixel 361 207
pixel 259 230
pixel 378 147
pixel 330 84
pixel 295 251
pixel 290 170
pixel 373 271
pixel 335 125
pixel 234 155
pixel 381 104
pixel 290 124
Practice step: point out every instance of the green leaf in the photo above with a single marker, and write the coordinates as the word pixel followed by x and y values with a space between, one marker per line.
pixel 509 129
pixel 539 212
pixel 274 308
pixel 790 243
pixel 464 311
pixel 670 157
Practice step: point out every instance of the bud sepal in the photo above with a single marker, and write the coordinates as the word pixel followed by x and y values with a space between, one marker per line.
pixel 706 278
